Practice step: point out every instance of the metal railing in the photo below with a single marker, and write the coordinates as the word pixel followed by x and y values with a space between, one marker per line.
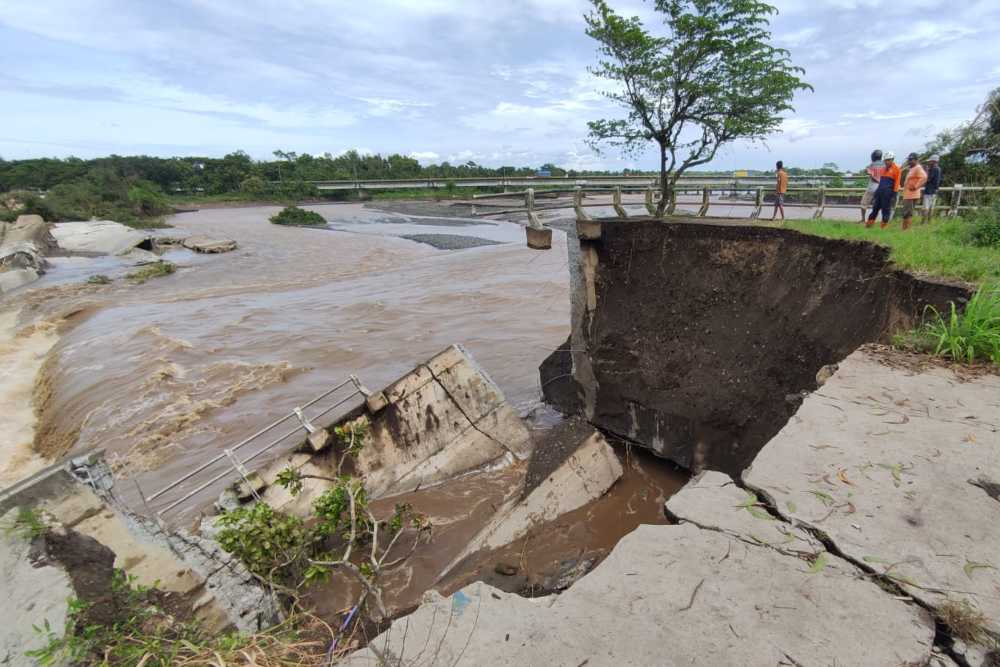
pixel 951 205
pixel 236 466
pixel 434 182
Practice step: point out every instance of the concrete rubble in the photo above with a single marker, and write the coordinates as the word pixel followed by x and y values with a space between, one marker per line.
pixel 78 496
pixel 697 595
pixel 24 244
pixel 867 514
pixel 100 237
pixel 205 244
pixel 585 475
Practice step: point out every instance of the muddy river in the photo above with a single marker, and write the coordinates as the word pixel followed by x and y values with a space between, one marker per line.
pixel 164 374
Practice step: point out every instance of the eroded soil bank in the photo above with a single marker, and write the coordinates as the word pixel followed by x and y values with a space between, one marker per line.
pixel 697 339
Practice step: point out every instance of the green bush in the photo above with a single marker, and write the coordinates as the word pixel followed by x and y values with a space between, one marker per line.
pixel 293 215
pixel 253 185
pixel 147 200
pixel 271 544
pixel 984 228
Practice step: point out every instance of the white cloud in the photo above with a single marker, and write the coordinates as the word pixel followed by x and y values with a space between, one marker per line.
pixel 425 157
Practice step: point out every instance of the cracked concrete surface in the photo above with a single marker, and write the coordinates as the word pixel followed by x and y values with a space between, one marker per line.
pixel 885 462
pixel 673 595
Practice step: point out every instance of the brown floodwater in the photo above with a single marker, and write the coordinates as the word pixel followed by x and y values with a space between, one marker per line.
pixel 165 374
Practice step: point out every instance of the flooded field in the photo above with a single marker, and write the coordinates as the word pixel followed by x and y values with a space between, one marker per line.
pixel 165 374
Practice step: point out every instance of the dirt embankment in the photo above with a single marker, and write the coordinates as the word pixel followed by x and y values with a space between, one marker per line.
pixel 703 336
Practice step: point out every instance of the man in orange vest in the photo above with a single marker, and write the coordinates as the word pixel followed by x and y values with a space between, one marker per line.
pixel 885 194
pixel 780 190
pixel 914 183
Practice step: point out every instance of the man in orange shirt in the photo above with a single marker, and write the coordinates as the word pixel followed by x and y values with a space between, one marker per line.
pixel 915 179
pixel 885 195
pixel 780 190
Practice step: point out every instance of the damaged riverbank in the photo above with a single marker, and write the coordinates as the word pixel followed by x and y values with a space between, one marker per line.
pixel 856 534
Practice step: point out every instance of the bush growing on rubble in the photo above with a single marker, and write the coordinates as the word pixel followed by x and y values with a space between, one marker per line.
pixel 295 216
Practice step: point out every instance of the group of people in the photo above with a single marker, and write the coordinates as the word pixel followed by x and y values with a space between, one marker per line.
pixel 885 181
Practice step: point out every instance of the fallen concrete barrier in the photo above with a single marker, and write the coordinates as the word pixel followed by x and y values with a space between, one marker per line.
pixel 101 237
pixel 445 418
pixel 24 244
pixel 209 245
pixel 584 476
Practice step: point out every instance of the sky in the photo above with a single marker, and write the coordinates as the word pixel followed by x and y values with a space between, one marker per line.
pixel 499 82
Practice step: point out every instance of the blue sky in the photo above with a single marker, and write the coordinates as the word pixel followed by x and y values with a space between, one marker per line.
pixel 500 82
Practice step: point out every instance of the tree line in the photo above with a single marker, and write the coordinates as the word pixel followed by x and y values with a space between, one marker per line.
pixel 238 171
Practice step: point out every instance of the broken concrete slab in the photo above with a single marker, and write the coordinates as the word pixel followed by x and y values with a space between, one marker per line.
pixel 584 476
pixel 699 596
pixel 209 245
pixel 883 461
pixel 32 594
pixel 173 561
pixel 713 501
pixel 102 237
pixel 15 278
pixel 444 418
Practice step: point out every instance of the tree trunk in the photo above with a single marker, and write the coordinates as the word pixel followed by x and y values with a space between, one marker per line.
pixel 664 190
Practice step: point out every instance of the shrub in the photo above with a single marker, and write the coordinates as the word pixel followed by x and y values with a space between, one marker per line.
pixel 253 185
pixel 271 544
pixel 973 334
pixel 293 215
pixel 146 199
pixel 984 229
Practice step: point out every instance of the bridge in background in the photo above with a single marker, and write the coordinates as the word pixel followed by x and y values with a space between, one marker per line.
pixel 539 182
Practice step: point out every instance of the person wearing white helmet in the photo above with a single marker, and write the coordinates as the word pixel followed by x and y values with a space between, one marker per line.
pixel 885 194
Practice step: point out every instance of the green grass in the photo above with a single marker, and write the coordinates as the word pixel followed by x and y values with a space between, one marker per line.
pixel 149 271
pixel 967 336
pixel 940 248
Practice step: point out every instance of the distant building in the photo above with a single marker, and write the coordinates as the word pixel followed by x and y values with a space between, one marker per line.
pixel 543 172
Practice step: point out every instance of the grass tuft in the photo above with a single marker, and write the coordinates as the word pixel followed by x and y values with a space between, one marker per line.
pixel 967 336
pixel 964 621
pixel 154 270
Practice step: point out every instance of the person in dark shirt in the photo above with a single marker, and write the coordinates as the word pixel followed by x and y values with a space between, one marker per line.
pixel 931 188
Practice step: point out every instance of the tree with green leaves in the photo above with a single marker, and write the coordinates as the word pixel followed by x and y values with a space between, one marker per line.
pixel 709 78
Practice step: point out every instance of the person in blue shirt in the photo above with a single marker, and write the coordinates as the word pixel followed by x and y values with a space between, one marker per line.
pixel 931 188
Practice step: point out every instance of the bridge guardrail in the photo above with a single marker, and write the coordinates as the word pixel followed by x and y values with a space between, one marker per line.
pixel 236 467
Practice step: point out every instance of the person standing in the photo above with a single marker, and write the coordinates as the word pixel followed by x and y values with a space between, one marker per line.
pixel 931 187
pixel 780 190
pixel 915 179
pixel 874 172
pixel 885 194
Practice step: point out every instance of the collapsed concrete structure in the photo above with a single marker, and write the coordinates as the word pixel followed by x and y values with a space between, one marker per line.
pixel 85 525
pixel 850 535
pixel 695 339
pixel 445 419
pixel 24 244
pixel 862 529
